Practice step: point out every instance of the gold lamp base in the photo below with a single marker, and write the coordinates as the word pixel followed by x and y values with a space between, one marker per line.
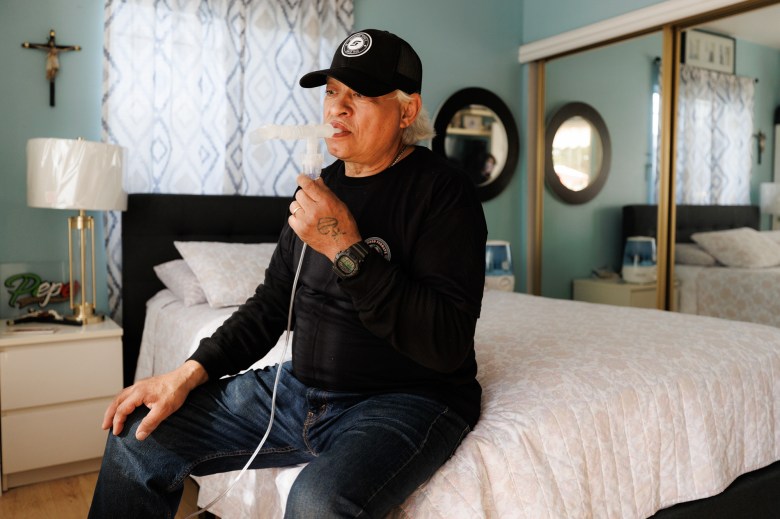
pixel 78 228
pixel 85 314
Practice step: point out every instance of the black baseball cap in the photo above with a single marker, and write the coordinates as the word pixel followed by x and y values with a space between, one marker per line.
pixel 373 63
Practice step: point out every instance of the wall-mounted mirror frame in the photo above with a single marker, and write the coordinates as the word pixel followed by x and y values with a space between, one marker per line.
pixel 597 177
pixel 480 96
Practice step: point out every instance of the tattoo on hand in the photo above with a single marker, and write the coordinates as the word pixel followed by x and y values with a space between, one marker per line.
pixel 329 225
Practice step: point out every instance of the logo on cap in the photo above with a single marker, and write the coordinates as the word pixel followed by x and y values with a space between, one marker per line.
pixel 356 45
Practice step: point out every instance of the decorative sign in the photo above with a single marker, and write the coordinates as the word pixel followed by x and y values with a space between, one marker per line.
pixel 26 287
pixel 710 51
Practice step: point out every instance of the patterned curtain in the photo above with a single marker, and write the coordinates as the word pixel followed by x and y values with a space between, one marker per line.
pixel 185 83
pixel 715 124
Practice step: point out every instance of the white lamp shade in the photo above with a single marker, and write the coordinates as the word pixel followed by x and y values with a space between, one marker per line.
pixel 770 198
pixel 75 174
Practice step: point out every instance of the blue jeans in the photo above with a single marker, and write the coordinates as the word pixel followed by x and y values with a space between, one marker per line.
pixel 365 453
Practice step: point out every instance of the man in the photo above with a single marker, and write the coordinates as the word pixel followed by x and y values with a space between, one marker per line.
pixel 381 388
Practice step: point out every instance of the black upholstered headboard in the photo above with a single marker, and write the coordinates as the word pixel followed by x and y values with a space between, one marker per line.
pixel 153 222
pixel 641 219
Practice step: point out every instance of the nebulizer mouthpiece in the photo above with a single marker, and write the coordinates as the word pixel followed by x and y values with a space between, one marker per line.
pixel 312 159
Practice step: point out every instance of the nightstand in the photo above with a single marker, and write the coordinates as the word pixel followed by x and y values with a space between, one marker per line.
pixel 615 292
pixel 54 388
pixel 505 283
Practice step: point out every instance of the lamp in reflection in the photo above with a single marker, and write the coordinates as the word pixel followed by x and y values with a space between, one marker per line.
pixel 770 201
pixel 84 176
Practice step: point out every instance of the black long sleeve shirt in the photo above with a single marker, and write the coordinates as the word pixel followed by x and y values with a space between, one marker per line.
pixel 406 322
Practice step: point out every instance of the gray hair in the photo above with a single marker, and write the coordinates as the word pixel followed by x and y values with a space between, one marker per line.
pixel 421 129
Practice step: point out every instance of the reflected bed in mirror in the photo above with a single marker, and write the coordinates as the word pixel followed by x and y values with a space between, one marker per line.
pixel 577 153
pixel 476 130
pixel 724 266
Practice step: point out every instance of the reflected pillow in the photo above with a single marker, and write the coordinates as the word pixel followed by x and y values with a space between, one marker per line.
pixel 692 254
pixel 180 279
pixel 228 272
pixel 743 247
pixel 772 235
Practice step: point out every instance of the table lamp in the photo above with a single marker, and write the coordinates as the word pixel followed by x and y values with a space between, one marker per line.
pixel 77 175
pixel 770 201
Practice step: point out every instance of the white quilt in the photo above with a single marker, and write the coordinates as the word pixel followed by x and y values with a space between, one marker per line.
pixel 173 331
pixel 589 411
pixel 740 294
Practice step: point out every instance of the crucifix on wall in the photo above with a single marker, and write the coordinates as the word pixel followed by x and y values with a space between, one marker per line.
pixel 52 58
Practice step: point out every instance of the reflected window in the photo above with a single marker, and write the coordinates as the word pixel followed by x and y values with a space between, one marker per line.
pixel 655 135
pixel 576 153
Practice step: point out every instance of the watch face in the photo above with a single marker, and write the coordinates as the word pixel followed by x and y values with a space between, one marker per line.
pixel 346 264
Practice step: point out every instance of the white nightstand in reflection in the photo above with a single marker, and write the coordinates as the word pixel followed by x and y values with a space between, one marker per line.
pixel 615 292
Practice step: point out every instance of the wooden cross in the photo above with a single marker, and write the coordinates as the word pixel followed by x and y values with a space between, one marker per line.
pixel 52 59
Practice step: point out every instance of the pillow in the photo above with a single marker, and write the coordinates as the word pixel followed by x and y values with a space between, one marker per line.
pixel 179 279
pixel 692 254
pixel 228 272
pixel 743 247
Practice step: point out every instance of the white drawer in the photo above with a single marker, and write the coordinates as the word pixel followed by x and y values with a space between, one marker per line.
pixel 53 435
pixel 60 372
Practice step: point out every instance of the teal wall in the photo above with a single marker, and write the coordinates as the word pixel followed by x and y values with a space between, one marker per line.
pixel 545 18
pixel 762 63
pixel 28 234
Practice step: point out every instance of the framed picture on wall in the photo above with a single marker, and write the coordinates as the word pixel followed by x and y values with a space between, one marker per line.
pixel 709 50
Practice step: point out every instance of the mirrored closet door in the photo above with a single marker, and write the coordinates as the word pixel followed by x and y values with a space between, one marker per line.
pixel 685 161
pixel 601 109
pixel 728 92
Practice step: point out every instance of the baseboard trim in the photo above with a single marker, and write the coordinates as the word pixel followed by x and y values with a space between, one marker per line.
pixel 28 477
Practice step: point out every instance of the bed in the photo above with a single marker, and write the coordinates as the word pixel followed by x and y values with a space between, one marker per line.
pixel 724 266
pixel 588 410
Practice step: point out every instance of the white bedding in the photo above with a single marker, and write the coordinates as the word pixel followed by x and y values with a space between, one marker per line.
pixel 588 411
pixel 172 332
pixel 740 294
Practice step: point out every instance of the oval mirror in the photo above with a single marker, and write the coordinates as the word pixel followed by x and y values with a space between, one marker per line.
pixel 476 130
pixel 577 153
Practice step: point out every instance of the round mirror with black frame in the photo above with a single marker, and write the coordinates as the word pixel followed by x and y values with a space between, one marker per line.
pixel 577 153
pixel 476 131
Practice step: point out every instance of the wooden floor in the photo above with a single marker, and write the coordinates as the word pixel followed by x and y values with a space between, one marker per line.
pixel 68 498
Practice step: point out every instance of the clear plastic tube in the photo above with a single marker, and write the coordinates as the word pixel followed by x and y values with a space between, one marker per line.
pixel 312 165
pixel 273 396
pixel 311 160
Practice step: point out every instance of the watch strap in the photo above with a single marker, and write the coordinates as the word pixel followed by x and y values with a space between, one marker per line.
pixel 348 262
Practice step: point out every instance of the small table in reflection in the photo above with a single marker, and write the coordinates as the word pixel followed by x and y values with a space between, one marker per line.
pixel 615 292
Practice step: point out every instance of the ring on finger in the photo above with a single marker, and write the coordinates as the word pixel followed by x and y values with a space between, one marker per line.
pixel 296 210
